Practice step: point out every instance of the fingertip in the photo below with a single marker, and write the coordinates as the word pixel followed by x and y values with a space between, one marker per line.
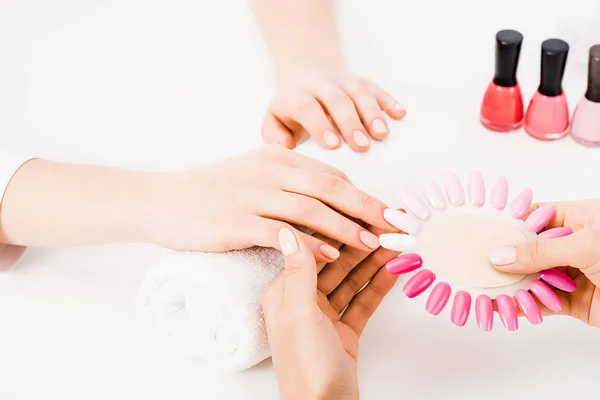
pixel 331 140
pixel 379 129
pixel 360 141
pixel 397 111
pixel 288 242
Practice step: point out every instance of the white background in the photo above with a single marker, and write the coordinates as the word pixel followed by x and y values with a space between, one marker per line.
pixel 158 84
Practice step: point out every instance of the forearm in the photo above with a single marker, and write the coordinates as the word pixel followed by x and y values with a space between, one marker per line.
pixel 299 33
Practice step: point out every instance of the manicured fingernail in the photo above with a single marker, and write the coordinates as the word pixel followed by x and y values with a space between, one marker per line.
pixel 556 232
pixel 461 308
pixel 360 139
pixel 330 252
pixel 476 189
pixel 499 195
pixel 287 241
pixel 400 110
pixel 415 205
pixel 559 280
pixel 438 298
pixel 379 127
pixel 520 205
pixel 484 313
pixel 401 220
pixel 404 264
pixel 528 307
pixel 546 296
pixel 507 312
pixel 433 194
pixel 331 139
pixel 397 242
pixel 418 283
pixel 540 217
pixel 369 240
pixel 454 190
pixel 503 256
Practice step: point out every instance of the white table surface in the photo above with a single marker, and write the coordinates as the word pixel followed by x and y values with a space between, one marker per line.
pixel 170 84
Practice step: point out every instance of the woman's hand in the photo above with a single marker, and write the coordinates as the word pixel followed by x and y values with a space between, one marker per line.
pixel 314 350
pixel 580 251
pixel 245 201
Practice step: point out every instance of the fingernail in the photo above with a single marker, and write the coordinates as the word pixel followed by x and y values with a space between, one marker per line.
pixel 331 139
pixel 369 240
pixel 401 220
pixel 476 189
pixel 418 283
pixel 360 139
pixel 507 312
pixel 330 252
pixel 415 205
pixel 540 218
pixel 556 232
pixel 499 195
pixel 379 127
pixel 461 308
pixel 546 296
pixel 400 110
pixel 287 241
pixel 438 298
pixel 404 264
pixel 433 194
pixel 503 256
pixel 397 242
pixel 528 307
pixel 484 313
pixel 559 280
pixel 454 190
pixel 520 205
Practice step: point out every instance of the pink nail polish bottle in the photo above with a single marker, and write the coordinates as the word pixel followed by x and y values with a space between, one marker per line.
pixel 585 128
pixel 547 116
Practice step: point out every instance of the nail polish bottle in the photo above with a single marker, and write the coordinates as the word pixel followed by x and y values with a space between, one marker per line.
pixel 502 107
pixel 585 128
pixel 547 116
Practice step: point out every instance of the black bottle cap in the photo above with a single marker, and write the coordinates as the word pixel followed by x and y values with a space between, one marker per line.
pixel 508 50
pixel 554 60
pixel 593 90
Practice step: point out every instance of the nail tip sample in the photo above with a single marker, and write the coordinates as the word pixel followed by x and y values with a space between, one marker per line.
pixel 438 298
pixel 433 194
pixel 415 205
pixel 507 312
pixel 528 307
pixel 401 220
pixel 461 308
pixel 476 189
pixel 397 242
pixel 404 264
pixel 521 204
pixel 540 218
pixel 454 190
pixel 559 280
pixel 545 295
pixel 418 283
pixel 484 312
pixel 499 194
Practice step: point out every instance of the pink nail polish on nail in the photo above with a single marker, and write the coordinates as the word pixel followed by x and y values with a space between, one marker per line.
pixel 540 218
pixel 404 264
pixel 434 195
pixel 454 190
pixel 528 307
pixel 499 195
pixel 559 280
pixel 415 205
pixel 520 205
pixel 418 283
pixel 438 298
pixel 476 189
pixel 507 312
pixel 555 233
pixel 461 308
pixel 484 313
pixel 546 296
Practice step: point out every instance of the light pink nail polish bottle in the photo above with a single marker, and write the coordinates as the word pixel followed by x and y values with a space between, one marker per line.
pixel 585 128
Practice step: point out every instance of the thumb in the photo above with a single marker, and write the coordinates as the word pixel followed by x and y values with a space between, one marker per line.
pixel 300 274
pixel 273 131
pixel 579 250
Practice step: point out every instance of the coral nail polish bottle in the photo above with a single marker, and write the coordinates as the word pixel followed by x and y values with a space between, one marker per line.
pixel 585 128
pixel 547 116
pixel 502 107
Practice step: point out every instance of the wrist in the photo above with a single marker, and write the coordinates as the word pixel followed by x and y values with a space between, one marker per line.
pixel 329 61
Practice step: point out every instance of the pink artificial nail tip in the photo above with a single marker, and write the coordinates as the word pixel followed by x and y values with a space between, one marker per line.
pixel 415 205
pixel 520 205
pixel 476 189
pixel 461 308
pixel 540 218
pixel 555 233
pixel 528 307
pixel 559 280
pixel 438 298
pixel 434 195
pixel 418 283
pixel 484 313
pixel 454 190
pixel 507 312
pixel 401 220
pixel 546 295
pixel 404 264
pixel 499 195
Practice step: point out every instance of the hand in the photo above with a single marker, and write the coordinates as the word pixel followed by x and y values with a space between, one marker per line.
pixel 245 201
pixel 580 251
pixel 314 350
pixel 326 105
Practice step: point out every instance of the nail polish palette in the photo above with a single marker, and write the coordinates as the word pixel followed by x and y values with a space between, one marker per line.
pixel 449 236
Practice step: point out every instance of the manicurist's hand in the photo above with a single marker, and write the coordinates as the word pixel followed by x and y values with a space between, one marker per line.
pixel 580 251
pixel 315 351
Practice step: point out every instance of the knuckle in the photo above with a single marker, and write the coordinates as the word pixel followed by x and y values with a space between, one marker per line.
pixel 328 183
pixel 535 250
pixel 303 207
pixel 304 105
pixel 370 204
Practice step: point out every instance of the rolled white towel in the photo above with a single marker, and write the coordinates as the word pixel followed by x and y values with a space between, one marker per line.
pixel 207 305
